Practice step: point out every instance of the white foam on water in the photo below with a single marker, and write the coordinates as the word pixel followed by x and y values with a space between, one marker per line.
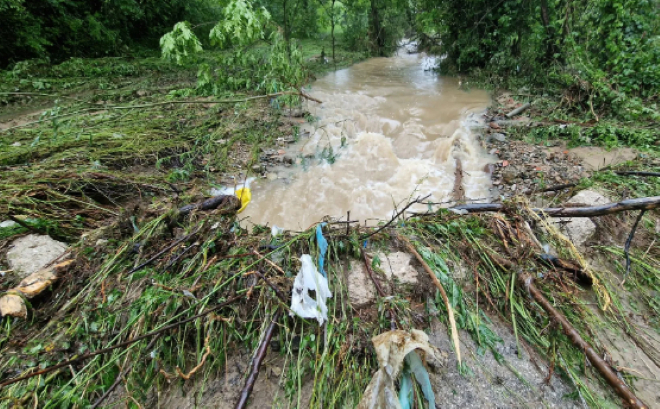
pixel 387 131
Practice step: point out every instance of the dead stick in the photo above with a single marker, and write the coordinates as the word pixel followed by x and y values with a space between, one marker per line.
pixel 279 293
pixel 519 110
pixel 121 345
pixel 626 249
pixel 379 289
pixel 25 225
pixel 450 310
pixel 256 362
pixel 527 282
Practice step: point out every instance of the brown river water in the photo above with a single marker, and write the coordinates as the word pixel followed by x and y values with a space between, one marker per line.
pixel 396 130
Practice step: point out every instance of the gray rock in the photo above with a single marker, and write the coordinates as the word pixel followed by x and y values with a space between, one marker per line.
pixel 33 252
pixel 500 137
pixel 580 229
pixel 289 158
pixel 361 289
pixel 509 174
pixel 8 223
pixel 397 264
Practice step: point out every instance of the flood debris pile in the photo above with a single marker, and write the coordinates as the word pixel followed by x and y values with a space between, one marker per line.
pixel 176 300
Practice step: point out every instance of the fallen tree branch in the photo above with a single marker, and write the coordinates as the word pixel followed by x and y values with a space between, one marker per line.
pixel 120 345
pixel 579 275
pixel 527 282
pixel 642 203
pixel 259 356
pixel 637 173
pixel 519 110
pixel 450 310
pixel 626 249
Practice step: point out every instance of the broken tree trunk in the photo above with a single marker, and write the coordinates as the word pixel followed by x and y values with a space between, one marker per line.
pixel 642 203
pixel 527 282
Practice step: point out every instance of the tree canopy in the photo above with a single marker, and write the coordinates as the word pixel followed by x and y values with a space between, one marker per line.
pixel 604 53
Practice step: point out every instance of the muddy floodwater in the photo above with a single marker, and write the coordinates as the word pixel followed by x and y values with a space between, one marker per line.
pixel 389 129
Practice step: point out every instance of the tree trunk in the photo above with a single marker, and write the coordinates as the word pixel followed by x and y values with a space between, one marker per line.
pixel 377 29
pixel 332 33
pixel 286 31
pixel 548 41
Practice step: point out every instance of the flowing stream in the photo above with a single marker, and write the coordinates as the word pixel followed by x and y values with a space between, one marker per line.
pixel 388 130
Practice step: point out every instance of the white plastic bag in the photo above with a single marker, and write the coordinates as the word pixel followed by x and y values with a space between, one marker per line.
pixel 309 279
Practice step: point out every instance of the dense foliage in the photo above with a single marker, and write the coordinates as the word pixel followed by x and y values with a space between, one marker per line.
pixel 604 54
pixel 63 28
pixel 601 56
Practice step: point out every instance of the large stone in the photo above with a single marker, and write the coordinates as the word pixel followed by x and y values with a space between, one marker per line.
pixel 398 265
pixel 33 252
pixel 580 229
pixel 361 289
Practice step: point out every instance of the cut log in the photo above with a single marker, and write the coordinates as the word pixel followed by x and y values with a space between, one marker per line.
pixel 519 110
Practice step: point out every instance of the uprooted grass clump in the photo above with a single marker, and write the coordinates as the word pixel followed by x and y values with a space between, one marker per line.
pixel 98 304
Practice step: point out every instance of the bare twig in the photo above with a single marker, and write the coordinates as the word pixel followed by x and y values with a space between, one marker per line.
pixel 277 291
pixel 626 249
pixel 399 213
pixel 230 202
pixel 26 225
pixel 637 173
pixel 556 188
pixel 519 110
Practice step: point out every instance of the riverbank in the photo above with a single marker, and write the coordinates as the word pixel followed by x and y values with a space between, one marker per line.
pixel 118 178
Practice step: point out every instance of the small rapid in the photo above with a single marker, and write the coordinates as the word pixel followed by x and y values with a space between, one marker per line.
pixel 388 130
